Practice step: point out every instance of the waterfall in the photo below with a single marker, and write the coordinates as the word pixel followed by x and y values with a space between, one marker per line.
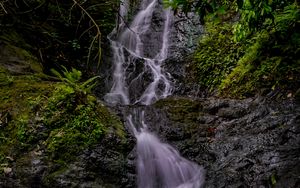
pixel 139 78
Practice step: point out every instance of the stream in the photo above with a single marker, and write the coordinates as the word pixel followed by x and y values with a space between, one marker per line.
pixel 134 46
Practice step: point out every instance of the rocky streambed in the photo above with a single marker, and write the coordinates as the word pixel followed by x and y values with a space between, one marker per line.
pixel 240 143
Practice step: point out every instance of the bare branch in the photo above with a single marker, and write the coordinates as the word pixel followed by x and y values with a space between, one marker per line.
pixel 96 37
pixel 2 6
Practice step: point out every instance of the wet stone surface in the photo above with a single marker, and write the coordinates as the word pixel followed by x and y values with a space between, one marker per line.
pixel 240 143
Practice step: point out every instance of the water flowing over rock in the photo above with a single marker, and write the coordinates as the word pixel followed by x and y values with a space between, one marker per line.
pixel 241 143
pixel 158 164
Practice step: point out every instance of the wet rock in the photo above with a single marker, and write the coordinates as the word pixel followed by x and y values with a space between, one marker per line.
pixel 185 33
pixel 104 165
pixel 18 61
pixel 297 95
pixel 183 38
pixel 241 143
pixel 231 113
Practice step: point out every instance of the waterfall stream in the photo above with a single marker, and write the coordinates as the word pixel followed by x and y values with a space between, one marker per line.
pixel 139 78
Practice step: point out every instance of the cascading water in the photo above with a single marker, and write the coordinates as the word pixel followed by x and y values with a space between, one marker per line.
pixel 158 164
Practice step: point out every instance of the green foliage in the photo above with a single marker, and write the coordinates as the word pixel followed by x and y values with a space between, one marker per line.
pixel 74 126
pixel 62 32
pixel 287 19
pixel 65 122
pixel 272 59
pixel 6 80
pixel 75 44
pixel 265 60
pixel 273 179
pixel 55 121
pixel 72 79
pixel 72 76
pixel 252 13
pixel 244 68
pixel 202 7
pixel 76 119
pixel 217 54
pixel 22 123
pixel 62 118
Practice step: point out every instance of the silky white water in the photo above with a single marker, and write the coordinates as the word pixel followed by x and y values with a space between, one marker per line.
pixel 159 165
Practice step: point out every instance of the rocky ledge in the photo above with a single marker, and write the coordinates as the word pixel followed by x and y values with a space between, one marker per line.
pixel 240 143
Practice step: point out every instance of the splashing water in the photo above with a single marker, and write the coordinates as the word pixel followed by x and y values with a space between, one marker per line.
pixel 158 164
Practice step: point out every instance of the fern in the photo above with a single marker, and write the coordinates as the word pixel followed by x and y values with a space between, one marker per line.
pixel 72 78
pixel 288 18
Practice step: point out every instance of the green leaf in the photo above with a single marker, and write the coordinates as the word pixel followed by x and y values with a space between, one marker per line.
pixel 273 179
pixel 56 73
pixel 221 10
pixel 89 81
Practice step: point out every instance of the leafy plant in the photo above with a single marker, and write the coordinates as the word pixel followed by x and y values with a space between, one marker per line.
pixel 252 13
pixel 73 77
pixel 242 64
pixel 217 54
pixel 288 18
pixel 271 62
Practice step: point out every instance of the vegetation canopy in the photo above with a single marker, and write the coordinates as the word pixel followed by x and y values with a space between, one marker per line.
pixel 68 32
pixel 250 46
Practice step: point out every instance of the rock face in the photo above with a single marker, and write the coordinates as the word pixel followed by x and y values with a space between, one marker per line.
pixel 183 35
pixel 240 143
pixel 105 165
pixel 248 143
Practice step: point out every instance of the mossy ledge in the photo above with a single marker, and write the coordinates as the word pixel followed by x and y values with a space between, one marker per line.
pixel 266 62
pixel 44 121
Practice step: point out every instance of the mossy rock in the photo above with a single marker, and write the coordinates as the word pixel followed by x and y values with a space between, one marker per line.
pixel 265 60
pixel 42 120
pixel 180 109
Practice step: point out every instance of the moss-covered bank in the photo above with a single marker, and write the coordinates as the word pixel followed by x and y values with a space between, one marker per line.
pixel 265 62
pixel 42 116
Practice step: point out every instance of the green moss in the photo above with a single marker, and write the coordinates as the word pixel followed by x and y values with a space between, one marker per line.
pixel 16 94
pixel 16 54
pixel 77 121
pixel 265 61
pixel 56 116
pixel 73 121
pixel 19 130
pixel 264 66
pixel 181 109
pixel 20 82
pixel 243 69
pixel 217 55
pixel 186 114
pixel 20 76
